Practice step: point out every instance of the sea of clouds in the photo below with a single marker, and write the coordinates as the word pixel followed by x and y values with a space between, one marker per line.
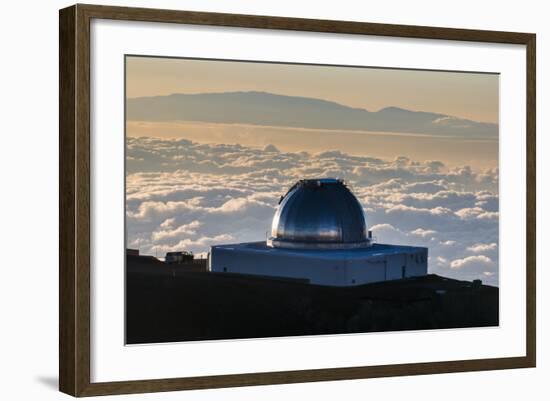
pixel 183 195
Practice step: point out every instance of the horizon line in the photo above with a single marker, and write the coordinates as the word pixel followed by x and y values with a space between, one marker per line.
pixel 309 98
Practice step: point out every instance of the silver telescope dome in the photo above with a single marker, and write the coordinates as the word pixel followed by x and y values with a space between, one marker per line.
pixel 319 214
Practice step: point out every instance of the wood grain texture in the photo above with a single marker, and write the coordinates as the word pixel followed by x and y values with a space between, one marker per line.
pixel 67 299
pixel 74 199
pixel 302 376
pixel 74 206
pixel 301 24
pixel 82 199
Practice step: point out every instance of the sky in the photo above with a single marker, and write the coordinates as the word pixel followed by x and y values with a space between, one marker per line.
pixel 468 95
pixel 194 184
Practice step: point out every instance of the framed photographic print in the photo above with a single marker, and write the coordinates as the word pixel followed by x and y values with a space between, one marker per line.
pixel 251 200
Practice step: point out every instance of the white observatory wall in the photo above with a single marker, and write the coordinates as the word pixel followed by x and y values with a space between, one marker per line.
pixel 366 271
pixel 278 263
pixel 412 263
pixel 317 268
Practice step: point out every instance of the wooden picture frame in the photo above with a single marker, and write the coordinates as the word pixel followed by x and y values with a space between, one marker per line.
pixel 74 201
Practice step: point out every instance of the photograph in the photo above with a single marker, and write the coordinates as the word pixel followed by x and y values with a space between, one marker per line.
pixel 270 199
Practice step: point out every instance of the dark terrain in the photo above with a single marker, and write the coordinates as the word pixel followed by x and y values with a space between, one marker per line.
pixel 166 303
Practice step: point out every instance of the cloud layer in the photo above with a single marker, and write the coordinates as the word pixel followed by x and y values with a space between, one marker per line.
pixel 186 195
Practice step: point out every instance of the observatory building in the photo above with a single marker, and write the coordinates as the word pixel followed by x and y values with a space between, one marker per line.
pixel 319 234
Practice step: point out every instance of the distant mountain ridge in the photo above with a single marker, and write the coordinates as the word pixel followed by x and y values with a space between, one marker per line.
pixel 268 109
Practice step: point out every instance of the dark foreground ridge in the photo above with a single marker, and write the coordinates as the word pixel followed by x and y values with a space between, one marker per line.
pixel 169 303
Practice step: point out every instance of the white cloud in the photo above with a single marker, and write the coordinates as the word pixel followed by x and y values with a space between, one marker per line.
pixel 483 247
pixel 471 212
pixel 388 234
pixel 189 244
pixel 428 187
pixel 434 211
pixel 470 261
pixel 383 227
pixel 186 195
pixel 235 204
pixel 168 223
pixel 183 230
pixel 488 215
pixel 423 233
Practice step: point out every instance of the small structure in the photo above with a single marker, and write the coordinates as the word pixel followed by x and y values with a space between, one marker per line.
pixel 179 257
pixel 132 252
pixel 319 233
